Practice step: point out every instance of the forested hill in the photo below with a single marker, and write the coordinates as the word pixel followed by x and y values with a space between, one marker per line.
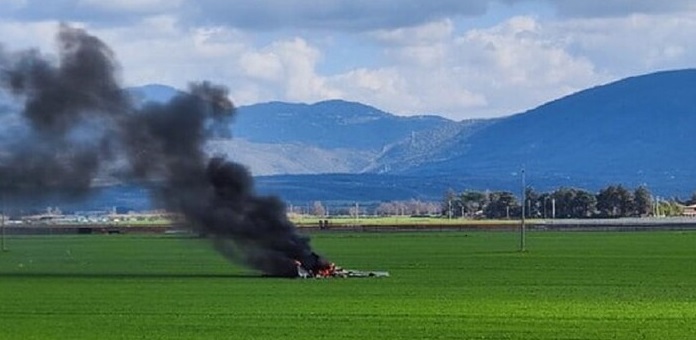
pixel 333 136
pixel 329 124
pixel 639 130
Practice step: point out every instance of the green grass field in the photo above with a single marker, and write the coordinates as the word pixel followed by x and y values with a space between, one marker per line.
pixel 442 285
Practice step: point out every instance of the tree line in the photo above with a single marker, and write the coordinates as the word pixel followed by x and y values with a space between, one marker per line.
pixel 613 201
pixel 411 207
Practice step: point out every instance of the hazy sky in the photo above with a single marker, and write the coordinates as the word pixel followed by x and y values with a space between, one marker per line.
pixel 457 58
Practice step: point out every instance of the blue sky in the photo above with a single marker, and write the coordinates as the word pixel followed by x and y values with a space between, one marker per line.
pixel 457 58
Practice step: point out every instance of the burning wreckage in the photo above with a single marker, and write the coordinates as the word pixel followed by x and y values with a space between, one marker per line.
pixel 324 269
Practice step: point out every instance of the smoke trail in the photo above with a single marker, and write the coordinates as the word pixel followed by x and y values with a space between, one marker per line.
pixel 78 121
pixel 65 109
pixel 165 142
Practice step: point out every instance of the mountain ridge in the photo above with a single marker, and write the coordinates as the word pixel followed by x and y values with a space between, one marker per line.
pixel 328 124
pixel 634 131
pixel 330 136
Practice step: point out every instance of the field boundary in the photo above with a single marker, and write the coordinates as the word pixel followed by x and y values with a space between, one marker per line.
pixel 599 225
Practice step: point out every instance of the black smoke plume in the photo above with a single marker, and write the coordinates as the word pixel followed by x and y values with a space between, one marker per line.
pixel 67 108
pixel 77 123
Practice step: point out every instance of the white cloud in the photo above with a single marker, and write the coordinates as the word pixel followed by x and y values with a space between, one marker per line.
pixel 327 15
pixel 332 15
pixel 406 66
pixel 385 81
pixel 483 72
pixel 633 44
pixel 428 33
pixel 13 4
pixel 257 15
pixel 17 35
pixel 619 8
pixel 520 65
pixel 420 78
pixel 424 45
pixel 521 53
pixel 299 63
pixel 284 69
pixel 131 6
pixel 383 87
pixel 165 53
pixel 265 66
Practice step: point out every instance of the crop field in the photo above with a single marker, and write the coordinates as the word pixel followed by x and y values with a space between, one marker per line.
pixel 443 285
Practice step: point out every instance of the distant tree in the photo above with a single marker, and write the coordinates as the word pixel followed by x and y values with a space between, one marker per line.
pixel 501 204
pixel 432 208
pixel 458 207
pixel 472 202
pixel 615 201
pixel 691 200
pixel 584 204
pixel 399 208
pixel 669 208
pixel 574 203
pixel 533 204
pixel 565 199
pixel 544 202
pixel 318 209
pixel 354 211
pixel 449 203
pixel 642 200
pixel 385 209
pixel 411 207
pixel 418 207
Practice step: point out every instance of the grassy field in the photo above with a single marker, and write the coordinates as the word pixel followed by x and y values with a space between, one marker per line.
pixel 442 285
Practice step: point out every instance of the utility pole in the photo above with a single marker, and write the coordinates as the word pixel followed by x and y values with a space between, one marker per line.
pixel 522 225
pixel 2 226
pixel 449 209
pixel 545 204
pixel 2 238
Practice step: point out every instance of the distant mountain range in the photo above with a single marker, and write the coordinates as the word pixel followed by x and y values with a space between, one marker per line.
pixel 636 131
pixel 333 136
pixel 327 137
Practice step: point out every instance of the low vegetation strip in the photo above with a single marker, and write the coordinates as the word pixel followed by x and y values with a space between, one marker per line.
pixel 469 285
pixel 460 224
pixel 396 220
pixel 406 224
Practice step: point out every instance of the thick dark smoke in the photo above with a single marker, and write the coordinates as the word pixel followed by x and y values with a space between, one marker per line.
pixel 79 121
pixel 67 108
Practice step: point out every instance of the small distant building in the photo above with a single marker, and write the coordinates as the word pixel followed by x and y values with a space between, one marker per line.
pixel 689 210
